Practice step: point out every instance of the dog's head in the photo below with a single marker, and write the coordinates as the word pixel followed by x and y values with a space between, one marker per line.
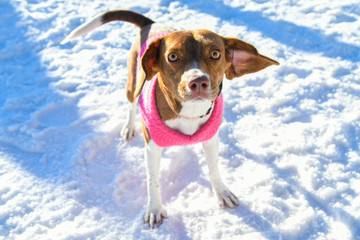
pixel 191 64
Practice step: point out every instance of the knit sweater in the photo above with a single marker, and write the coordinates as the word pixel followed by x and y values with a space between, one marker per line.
pixel 160 133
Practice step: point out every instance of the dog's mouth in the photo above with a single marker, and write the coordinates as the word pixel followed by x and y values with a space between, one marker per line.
pixel 187 96
pixel 199 96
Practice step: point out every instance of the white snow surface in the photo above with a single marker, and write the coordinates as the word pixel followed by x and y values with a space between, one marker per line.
pixel 289 139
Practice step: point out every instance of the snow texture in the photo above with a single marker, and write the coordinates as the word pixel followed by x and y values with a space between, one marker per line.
pixel 289 138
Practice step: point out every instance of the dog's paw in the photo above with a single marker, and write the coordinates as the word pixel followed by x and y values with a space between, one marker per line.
pixel 155 216
pixel 128 132
pixel 227 199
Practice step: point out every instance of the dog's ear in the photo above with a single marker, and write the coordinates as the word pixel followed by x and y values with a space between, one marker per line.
pixel 149 64
pixel 243 58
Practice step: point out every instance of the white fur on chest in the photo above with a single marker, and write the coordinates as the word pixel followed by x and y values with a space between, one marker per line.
pixel 190 121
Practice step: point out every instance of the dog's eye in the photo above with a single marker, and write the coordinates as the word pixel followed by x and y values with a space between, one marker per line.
pixel 215 54
pixel 173 57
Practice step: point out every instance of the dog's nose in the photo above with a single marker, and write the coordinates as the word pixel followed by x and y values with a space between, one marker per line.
pixel 200 84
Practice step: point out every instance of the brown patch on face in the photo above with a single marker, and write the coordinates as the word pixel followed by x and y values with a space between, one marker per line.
pixel 168 106
pixel 215 67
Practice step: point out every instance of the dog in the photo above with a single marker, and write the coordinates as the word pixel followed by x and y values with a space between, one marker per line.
pixel 177 78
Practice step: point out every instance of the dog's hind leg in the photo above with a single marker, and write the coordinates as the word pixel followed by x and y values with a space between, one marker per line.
pixel 128 130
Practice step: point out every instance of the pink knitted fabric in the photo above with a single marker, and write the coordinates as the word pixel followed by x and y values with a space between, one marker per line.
pixel 165 136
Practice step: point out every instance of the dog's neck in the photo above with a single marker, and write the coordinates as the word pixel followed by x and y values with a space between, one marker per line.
pixel 191 116
pixel 195 109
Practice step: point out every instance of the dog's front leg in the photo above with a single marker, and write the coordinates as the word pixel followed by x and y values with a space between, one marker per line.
pixel 225 197
pixel 154 212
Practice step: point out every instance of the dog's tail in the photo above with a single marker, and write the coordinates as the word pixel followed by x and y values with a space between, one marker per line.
pixel 116 15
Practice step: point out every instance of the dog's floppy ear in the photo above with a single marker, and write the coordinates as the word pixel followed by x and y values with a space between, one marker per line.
pixel 243 58
pixel 149 64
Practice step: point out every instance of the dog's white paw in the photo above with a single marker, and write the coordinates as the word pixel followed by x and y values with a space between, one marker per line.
pixel 227 199
pixel 155 216
pixel 128 132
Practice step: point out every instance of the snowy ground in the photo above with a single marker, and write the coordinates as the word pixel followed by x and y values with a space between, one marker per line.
pixel 289 138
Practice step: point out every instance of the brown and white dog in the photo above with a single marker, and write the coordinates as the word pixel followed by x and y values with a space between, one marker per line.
pixel 189 66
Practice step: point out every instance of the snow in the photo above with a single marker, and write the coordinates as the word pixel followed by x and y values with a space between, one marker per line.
pixel 289 139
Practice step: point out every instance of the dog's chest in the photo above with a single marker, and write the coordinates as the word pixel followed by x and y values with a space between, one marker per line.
pixel 190 121
pixel 199 121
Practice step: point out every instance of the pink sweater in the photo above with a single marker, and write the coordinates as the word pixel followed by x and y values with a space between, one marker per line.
pixel 160 133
